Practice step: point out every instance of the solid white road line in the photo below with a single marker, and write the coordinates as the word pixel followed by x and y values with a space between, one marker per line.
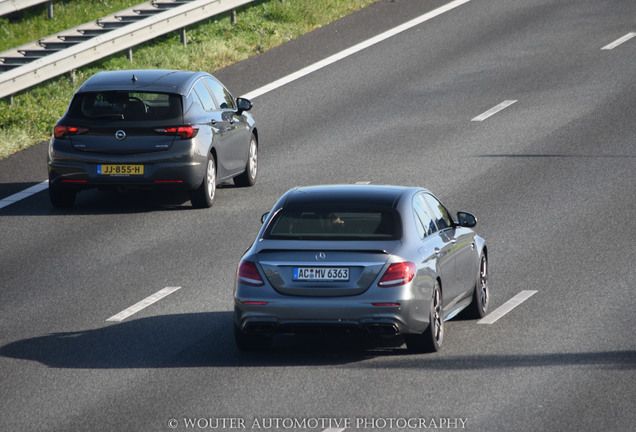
pixel 507 307
pixel 494 110
pixel 24 194
pixel 354 49
pixel 143 304
pixel 329 60
pixel 617 42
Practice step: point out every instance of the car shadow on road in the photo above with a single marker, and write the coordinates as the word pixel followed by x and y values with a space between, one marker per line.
pixel 180 341
pixel 96 202
pixel 206 340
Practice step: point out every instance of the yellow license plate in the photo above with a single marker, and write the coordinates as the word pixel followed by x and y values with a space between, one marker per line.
pixel 122 170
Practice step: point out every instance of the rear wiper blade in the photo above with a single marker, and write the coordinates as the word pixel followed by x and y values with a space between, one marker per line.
pixel 113 115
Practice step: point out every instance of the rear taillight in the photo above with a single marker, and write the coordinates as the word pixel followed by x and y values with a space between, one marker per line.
pixel 248 274
pixel 61 131
pixel 398 274
pixel 185 132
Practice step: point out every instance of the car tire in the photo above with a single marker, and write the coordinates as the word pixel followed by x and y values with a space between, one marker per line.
pixel 248 177
pixel 203 196
pixel 431 339
pixel 61 197
pixel 250 342
pixel 479 306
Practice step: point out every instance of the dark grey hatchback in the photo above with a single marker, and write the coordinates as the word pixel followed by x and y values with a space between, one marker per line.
pixel 152 129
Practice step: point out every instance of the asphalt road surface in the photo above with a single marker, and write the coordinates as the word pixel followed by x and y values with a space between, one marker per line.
pixel 516 110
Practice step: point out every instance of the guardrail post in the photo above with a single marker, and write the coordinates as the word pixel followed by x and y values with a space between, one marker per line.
pixel 129 54
pixel 50 7
pixel 182 36
pixel 233 16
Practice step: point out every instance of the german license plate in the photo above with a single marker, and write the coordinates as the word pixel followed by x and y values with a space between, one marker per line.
pixel 122 170
pixel 321 274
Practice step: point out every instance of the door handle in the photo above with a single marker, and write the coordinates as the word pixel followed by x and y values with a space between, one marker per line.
pixel 437 251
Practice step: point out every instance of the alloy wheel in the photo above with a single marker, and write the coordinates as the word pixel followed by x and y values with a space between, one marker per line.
pixel 438 326
pixel 211 180
pixel 253 159
pixel 483 283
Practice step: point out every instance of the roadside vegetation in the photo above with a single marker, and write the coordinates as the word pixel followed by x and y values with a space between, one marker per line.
pixel 211 45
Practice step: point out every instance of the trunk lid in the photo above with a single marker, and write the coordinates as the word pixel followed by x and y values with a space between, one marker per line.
pixel 122 138
pixel 323 269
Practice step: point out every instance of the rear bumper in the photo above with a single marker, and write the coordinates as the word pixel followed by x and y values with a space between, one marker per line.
pixel 165 175
pixel 181 167
pixel 396 312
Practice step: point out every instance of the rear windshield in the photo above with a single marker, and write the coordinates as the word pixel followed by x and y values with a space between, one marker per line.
pixel 335 223
pixel 122 105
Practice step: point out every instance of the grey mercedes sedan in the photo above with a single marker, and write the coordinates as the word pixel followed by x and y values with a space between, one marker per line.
pixel 152 129
pixel 379 260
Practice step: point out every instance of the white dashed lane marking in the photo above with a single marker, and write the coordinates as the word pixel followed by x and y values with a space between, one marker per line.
pixel 619 41
pixel 24 194
pixel 507 307
pixel 494 110
pixel 143 304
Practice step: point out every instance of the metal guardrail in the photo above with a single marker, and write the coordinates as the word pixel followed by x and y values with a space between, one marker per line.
pixel 63 52
pixel 11 6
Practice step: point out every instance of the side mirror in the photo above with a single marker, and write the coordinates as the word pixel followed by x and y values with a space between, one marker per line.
pixel 466 219
pixel 243 104
pixel 264 217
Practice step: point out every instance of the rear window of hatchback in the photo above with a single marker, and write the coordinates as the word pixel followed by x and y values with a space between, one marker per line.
pixel 128 106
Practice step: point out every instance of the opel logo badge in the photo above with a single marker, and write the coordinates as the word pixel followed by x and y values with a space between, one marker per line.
pixel 320 256
pixel 120 135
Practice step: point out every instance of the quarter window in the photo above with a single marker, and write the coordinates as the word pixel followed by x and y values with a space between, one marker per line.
pixel 204 95
pixel 439 212
pixel 423 219
pixel 223 97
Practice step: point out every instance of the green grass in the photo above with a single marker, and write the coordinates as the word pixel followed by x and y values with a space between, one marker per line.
pixel 211 45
